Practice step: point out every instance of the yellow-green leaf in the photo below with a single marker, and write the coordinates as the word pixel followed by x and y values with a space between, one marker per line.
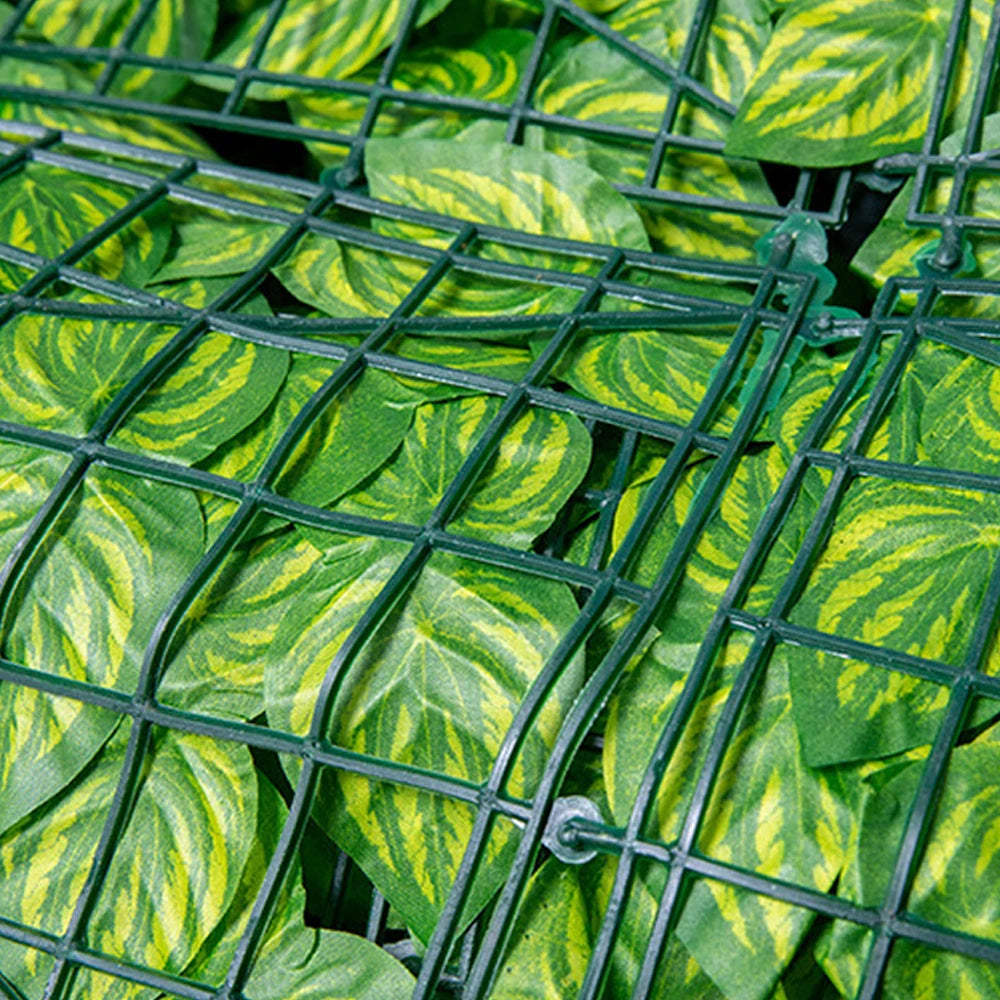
pixel 737 33
pixel 151 132
pixel 218 389
pixel 953 886
pixel 658 373
pixel 503 185
pixel 181 29
pixel 437 687
pixel 594 82
pixel 86 610
pixel 843 81
pixel 892 248
pixel 906 567
pixel 50 209
pixel 489 69
pixel 174 871
pixel 540 462
pixel 550 943
pixel 316 38
pixel 297 962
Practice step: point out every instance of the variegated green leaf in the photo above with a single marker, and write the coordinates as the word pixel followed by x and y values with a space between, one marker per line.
pixel 327 462
pixel 905 567
pixel 658 373
pixel 174 871
pixel 437 687
pixel 50 209
pixel 61 372
pixel 151 132
pixel 87 609
pixel 593 82
pixel 315 38
pixel 488 69
pixel 297 962
pixel 212 242
pixel 345 279
pixel 217 390
pixel 953 885
pixel 959 420
pixel 217 666
pixel 216 953
pixel 540 462
pixel 181 29
pixel 771 813
pixel 899 547
pixel 844 81
pixel 503 185
pixel 199 292
pixel 737 34
pixel 504 361
pixel 218 244
pixel 678 975
pixel 550 942
pixel 723 544
pixel 496 184
pixel 768 811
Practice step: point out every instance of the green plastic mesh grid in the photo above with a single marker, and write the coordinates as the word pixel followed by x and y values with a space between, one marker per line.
pixel 611 290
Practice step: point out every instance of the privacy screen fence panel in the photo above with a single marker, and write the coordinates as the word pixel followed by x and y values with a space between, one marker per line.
pixel 516 539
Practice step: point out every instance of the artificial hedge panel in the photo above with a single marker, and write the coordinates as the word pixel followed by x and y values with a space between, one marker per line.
pixel 530 544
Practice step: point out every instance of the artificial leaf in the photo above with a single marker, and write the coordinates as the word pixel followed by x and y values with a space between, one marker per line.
pixel 60 372
pixel 212 242
pixel 593 82
pixel 51 208
pixel 678 975
pixel 200 292
pixel 771 813
pixel 218 245
pixel 150 132
pixel 436 687
pixel 736 37
pixel 297 962
pixel 488 69
pixel 768 812
pixel 502 185
pixel 550 942
pixel 843 82
pixel 89 602
pixel 952 886
pixel 327 462
pixel 958 421
pixel 539 463
pixel 658 373
pixel 217 666
pixel 216 953
pixel 314 38
pixel 347 279
pixel 181 29
pixel 723 544
pixel 503 361
pixel 217 390
pixel 174 870
pixel 905 567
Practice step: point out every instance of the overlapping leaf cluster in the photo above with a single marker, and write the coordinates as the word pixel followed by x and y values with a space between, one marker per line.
pixel 820 771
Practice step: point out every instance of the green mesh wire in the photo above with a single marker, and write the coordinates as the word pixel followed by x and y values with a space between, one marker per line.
pixel 465 963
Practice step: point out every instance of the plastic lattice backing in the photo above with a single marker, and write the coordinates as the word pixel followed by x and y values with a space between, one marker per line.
pixel 633 547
